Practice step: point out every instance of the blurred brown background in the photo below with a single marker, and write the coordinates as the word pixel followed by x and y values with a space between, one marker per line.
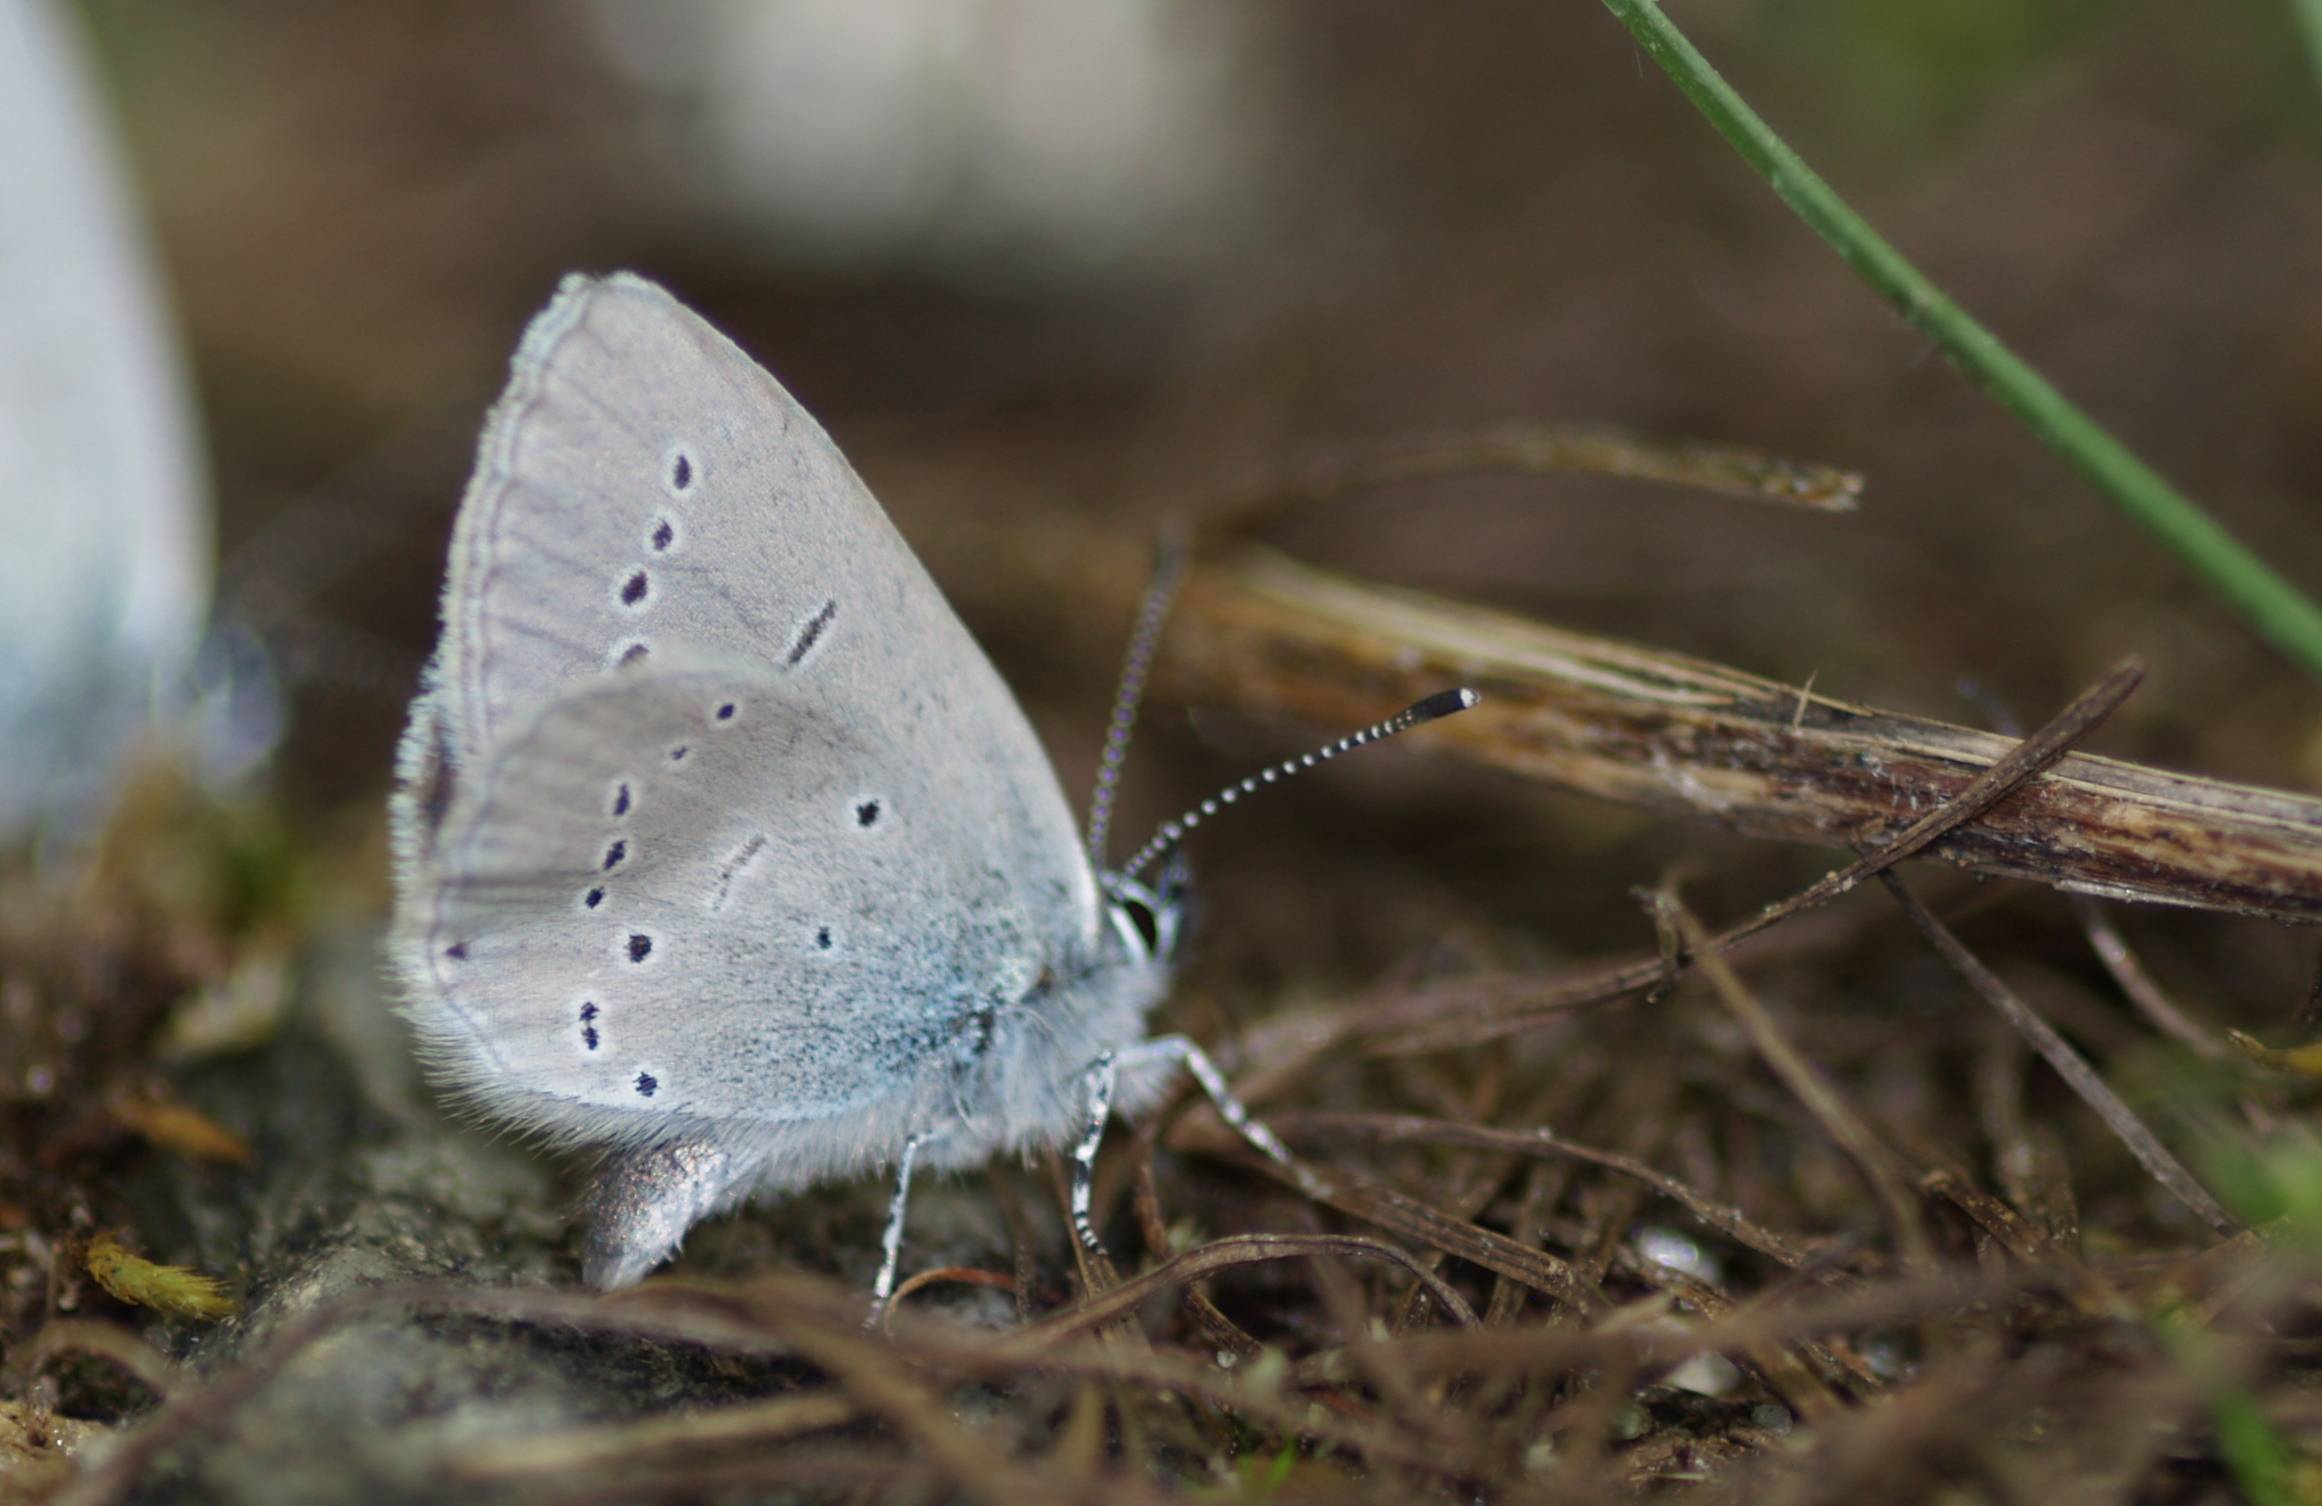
pixel 1024 258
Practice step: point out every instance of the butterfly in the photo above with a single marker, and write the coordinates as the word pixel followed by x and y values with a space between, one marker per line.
pixel 719 844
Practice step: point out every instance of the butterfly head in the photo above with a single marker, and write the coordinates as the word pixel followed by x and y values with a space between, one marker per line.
pixel 1147 919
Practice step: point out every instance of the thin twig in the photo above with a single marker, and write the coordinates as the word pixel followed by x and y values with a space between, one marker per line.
pixel 1839 1119
pixel 1540 1141
pixel 2069 1064
pixel 1616 721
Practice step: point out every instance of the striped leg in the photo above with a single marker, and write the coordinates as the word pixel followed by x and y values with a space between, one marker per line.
pixel 1102 1075
pixel 892 1241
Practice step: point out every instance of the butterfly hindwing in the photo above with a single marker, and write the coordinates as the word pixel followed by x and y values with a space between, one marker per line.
pixel 678 893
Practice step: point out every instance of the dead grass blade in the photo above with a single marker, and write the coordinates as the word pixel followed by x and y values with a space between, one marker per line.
pixel 1406 1128
pixel 2069 1064
pixel 1813 1088
pixel 1620 722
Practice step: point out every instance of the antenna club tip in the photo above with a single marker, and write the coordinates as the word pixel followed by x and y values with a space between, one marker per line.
pixel 1444 703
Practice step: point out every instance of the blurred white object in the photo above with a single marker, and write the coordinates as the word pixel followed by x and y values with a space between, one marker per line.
pixel 1013 136
pixel 105 573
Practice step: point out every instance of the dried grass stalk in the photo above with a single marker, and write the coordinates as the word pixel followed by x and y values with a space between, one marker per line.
pixel 1266 634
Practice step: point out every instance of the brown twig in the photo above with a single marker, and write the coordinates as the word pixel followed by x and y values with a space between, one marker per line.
pixel 1540 449
pixel 1811 1087
pixel 2069 1064
pixel 1259 631
pixel 1728 1221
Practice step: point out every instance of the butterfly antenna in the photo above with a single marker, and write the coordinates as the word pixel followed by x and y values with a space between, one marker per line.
pixel 1144 643
pixel 1441 704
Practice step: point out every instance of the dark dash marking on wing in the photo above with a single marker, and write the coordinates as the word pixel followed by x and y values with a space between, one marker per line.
pixel 743 856
pixel 810 634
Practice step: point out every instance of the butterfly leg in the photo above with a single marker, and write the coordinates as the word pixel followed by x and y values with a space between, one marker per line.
pixel 1232 1110
pixel 891 1243
pixel 1103 1075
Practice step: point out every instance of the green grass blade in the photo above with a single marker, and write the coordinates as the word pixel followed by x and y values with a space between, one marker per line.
pixel 2270 603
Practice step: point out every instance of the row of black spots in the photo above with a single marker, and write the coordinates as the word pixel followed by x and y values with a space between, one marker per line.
pixel 644 1083
pixel 619 802
pixel 634 590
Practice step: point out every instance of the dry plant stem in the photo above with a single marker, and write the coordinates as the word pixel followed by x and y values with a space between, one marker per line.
pixel 762 1319
pixel 2028 1159
pixel 1145 1199
pixel 1818 1093
pixel 1373 1201
pixel 871 1373
pixel 1541 449
pixel 1263 633
pixel 1728 1221
pixel 2128 971
pixel 1225 1254
pixel 955 1275
pixel 1544 1185
pixel 2051 744
pixel 2024 1242
pixel 156 1371
pixel 568 1452
pixel 2013 770
pixel 2068 1063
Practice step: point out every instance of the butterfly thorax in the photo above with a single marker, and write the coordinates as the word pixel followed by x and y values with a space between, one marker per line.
pixel 1026 1064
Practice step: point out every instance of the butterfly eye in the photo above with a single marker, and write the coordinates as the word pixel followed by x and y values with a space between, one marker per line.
pixel 1148 925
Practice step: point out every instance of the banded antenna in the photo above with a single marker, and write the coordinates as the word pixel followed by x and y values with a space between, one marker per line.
pixel 1442 704
pixel 1136 664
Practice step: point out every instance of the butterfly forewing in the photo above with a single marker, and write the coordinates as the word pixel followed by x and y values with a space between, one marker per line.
pixel 860 843
pixel 645 488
